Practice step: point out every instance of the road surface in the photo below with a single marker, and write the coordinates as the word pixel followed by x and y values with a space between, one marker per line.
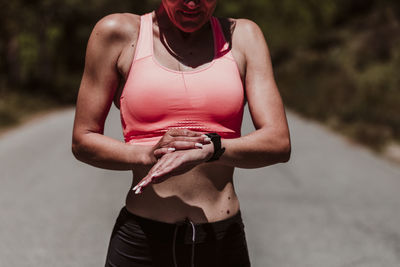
pixel 334 204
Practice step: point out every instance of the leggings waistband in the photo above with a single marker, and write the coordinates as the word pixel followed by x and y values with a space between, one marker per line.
pixel 183 232
pixel 183 229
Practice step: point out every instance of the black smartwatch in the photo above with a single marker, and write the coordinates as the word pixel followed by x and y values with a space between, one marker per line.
pixel 218 150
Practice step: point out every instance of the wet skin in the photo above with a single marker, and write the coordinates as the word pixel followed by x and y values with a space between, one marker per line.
pixel 206 192
pixel 183 41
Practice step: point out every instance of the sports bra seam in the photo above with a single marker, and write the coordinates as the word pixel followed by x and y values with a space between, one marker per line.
pixel 156 132
pixel 183 72
pixel 139 59
pixel 186 72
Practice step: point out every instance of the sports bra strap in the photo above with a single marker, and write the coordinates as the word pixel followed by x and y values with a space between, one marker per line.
pixel 222 46
pixel 144 43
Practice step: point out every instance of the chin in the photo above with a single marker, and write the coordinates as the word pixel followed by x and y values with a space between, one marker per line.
pixel 191 27
pixel 189 30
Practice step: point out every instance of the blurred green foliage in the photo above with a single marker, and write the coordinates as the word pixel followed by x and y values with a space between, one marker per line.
pixel 43 43
pixel 335 60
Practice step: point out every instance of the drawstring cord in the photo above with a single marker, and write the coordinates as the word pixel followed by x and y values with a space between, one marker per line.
pixel 193 244
pixel 173 245
pixel 193 239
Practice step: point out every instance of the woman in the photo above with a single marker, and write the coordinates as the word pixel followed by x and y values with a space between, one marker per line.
pixel 180 78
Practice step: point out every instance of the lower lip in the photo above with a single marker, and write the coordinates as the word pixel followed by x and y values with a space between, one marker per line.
pixel 190 14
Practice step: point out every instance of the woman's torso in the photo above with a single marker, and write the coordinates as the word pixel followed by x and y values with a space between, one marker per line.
pixel 204 194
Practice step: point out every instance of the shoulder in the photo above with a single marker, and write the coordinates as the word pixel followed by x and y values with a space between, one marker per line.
pixel 243 33
pixel 247 25
pixel 116 28
pixel 247 32
pixel 248 38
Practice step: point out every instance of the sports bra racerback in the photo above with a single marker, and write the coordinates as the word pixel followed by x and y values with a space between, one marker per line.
pixel 156 99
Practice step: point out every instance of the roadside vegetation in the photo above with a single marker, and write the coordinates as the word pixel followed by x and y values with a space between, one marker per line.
pixel 335 61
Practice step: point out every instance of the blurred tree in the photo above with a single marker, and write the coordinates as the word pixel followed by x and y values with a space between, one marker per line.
pixel 43 42
pixel 335 60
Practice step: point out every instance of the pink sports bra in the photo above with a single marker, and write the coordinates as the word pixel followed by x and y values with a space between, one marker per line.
pixel 156 99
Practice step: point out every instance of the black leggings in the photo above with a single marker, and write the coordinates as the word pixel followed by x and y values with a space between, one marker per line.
pixel 138 241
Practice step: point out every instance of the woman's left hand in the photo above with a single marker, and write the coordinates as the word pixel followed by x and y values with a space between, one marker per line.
pixel 175 163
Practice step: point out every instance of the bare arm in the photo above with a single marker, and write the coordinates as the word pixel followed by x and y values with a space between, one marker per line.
pixel 270 143
pixel 99 82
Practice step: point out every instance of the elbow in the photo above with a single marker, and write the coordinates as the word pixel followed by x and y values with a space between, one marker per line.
pixel 284 150
pixel 278 151
pixel 77 149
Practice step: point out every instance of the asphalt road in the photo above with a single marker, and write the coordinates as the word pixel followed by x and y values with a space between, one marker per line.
pixel 334 204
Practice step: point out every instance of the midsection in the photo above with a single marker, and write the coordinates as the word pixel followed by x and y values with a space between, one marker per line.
pixel 204 194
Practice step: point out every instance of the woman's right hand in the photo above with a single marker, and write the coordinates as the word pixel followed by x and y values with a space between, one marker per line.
pixel 179 139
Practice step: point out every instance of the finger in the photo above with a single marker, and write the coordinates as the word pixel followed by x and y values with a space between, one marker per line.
pixel 145 183
pixel 163 161
pixel 140 184
pixel 182 145
pixel 184 132
pixel 165 174
pixel 177 135
pixel 158 171
pixel 161 170
pixel 162 164
pixel 166 170
pixel 138 191
pixel 158 153
pixel 161 178
pixel 195 139
pixel 150 179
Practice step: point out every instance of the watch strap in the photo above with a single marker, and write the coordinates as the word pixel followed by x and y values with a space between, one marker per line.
pixel 218 150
